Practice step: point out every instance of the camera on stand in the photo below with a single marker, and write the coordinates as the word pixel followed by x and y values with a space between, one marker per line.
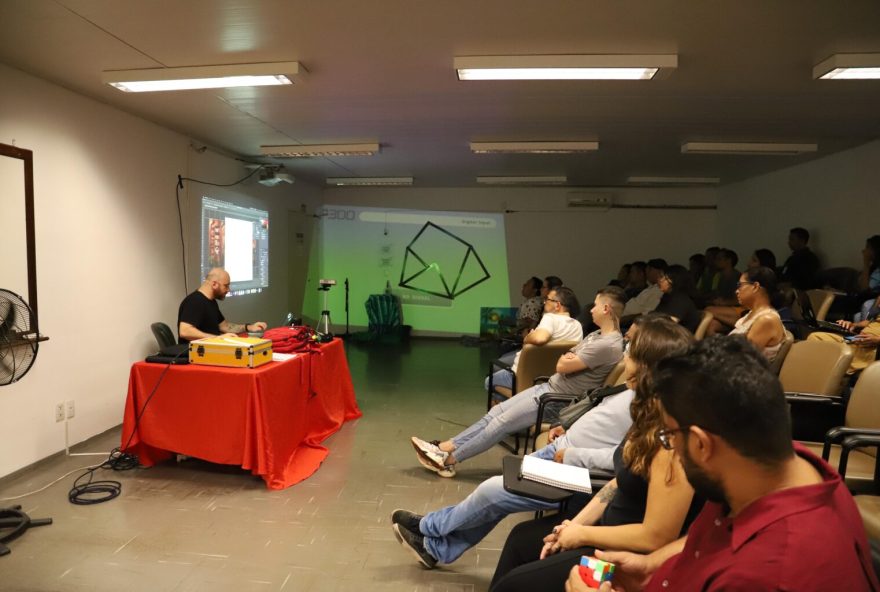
pixel 323 329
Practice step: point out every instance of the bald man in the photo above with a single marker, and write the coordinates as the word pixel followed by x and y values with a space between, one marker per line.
pixel 199 315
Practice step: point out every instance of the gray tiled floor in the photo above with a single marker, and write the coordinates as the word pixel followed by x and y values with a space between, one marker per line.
pixel 195 526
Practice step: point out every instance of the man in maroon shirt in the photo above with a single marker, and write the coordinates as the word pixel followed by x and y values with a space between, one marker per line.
pixel 777 516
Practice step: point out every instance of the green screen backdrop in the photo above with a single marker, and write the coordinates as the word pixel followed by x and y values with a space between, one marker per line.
pixel 444 266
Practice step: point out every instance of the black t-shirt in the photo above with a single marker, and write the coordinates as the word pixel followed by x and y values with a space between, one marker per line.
pixel 801 268
pixel 200 312
pixel 629 503
pixel 680 306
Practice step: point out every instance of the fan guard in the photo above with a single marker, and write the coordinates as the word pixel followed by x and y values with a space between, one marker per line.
pixel 18 337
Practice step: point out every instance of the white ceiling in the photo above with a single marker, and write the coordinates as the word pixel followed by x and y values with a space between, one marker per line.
pixel 382 70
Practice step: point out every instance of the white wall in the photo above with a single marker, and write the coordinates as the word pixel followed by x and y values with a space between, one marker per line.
pixel 108 254
pixel 544 237
pixel 836 198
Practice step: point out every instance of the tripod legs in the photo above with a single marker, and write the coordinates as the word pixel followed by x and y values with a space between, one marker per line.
pixel 14 523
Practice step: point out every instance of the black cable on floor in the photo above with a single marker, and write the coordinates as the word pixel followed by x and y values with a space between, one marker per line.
pixel 96 492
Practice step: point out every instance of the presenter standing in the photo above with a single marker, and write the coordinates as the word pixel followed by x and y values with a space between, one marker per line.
pixel 199 315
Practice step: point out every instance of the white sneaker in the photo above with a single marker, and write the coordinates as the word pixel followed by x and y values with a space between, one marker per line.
pixel 430 453
pixel 448 471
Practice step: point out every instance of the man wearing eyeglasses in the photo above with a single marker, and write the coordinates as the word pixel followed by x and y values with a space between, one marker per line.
pixel 777 516
pixel 556 325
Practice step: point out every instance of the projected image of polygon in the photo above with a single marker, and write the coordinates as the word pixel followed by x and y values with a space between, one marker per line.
pixel 438 262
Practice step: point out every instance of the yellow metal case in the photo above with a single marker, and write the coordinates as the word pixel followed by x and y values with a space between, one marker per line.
pixel 232 352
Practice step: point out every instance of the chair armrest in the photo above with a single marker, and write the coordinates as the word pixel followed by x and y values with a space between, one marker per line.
pixel 543 400
pixel 861 439
pixel 836 434
pixel 499 365
pixel 600 478
pixel 811 398
pixel 558 397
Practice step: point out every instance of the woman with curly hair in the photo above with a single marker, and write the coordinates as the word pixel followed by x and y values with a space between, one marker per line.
pixel 648 504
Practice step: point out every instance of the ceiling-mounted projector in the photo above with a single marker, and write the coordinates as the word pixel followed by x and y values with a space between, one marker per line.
pixel 271 176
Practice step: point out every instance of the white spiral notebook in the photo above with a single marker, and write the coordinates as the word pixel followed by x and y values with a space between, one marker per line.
pixel 556 474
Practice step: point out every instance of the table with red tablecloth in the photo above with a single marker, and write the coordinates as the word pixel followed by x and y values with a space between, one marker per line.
pixel 269 420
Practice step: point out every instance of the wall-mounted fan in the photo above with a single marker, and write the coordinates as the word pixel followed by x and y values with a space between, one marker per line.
pixel 19 340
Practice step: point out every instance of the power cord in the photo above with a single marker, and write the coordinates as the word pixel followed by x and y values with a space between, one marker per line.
pixel 178 187
pixel 89 492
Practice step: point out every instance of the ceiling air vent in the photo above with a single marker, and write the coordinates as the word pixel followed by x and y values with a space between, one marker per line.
pixel 584 199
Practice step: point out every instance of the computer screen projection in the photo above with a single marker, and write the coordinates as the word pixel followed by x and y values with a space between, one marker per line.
pixel 443 266
pixel 236 238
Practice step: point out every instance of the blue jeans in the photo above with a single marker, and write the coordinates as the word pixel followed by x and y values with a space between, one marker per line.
pixel 500 378
pixel 503 377
pixel 515 414
pixel 451 531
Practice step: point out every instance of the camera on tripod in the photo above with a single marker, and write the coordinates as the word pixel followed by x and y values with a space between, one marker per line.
pixel 323 329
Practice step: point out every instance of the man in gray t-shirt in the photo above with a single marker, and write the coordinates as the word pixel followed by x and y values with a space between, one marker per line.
pixel 583 368
pixel 599 352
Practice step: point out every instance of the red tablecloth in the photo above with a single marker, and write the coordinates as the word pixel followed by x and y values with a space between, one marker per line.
pixel 270 420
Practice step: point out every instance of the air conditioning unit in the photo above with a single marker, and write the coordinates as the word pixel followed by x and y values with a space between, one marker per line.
pixel 589 199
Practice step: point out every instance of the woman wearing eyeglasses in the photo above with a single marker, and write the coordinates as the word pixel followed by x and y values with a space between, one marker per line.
pixel 648 504
pixel 762 326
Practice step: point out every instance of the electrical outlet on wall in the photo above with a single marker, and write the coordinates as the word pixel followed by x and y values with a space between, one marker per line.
pixel 71 410
pixel 59 412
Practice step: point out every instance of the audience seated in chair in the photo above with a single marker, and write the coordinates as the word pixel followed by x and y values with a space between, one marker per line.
pixel 648 504
pixel 865 337
pixel 556 325
pixel 551 282
pixel 577 372
pixel 762 325
pixel 636 280
pixel 724 293
pixel 708 282
pixel 442 536
pixel 727 316
pixel 529 314
pixel 648 299
pixel 622 276
pixel 802 266
pixel 777 516
pixel 696 267
pixel 677 300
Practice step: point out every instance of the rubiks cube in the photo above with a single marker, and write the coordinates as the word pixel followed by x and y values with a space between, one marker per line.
pixel 595 571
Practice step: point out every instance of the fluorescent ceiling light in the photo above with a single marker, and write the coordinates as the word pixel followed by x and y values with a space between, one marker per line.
pixel 674 180
pixel 307 150
pixel 545 180
pixel 533 147
pixel 849 66
pixel 227 76
pixel 369 181
pixel 764 148
pixel 563 67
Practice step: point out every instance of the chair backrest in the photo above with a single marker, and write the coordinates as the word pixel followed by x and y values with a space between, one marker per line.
pixel 704 325
pixel 539 360
pixel 821 301
pixel 163 334
pixel 815 367
pixel 776 364
pixel 616 376
pixel 863 409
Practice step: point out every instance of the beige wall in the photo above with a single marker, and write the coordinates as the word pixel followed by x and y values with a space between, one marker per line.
pixel 582 246
pixel 836 198
pixel 108 254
